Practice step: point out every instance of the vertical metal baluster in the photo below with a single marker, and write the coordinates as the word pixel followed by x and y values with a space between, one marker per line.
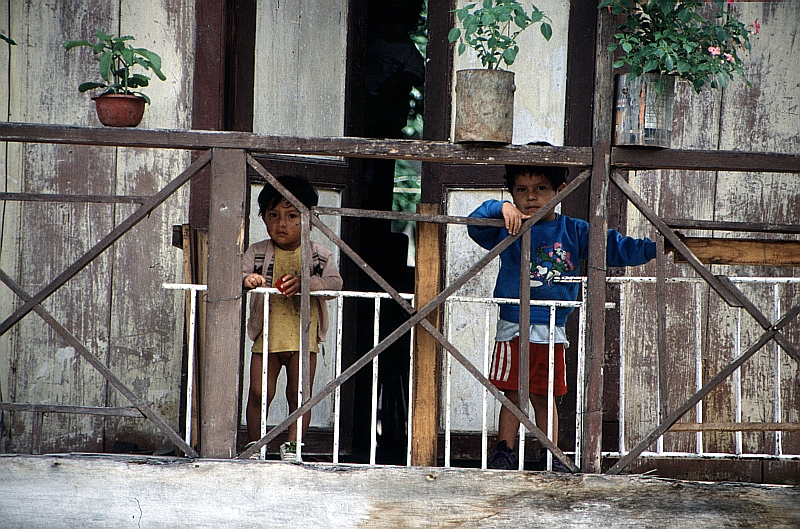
pixel 374 421
pixel 487 345
pixel 698 361
pixel 337 397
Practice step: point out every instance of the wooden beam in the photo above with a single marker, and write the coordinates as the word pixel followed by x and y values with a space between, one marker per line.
pixel 677 224
pixel 699 160
pixel 80 410
pixel 735 427
pixel 427 364
pixel 755 252
pixel 220 377
pixel 592 434
pixel 422 150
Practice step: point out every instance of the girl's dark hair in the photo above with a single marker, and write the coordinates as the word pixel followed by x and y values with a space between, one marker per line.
pixel 297 185
pixel 555 175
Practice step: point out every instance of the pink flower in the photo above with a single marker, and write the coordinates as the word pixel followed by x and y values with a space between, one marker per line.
pixel 728 57
pixel 714 50
pixel 756 26
pixel 729 2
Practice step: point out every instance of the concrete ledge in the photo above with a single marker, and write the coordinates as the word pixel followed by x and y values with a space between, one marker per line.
pixel 66 491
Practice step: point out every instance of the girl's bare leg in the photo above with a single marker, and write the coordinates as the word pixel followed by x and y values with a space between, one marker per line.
pixel 253 411
pixel 292 370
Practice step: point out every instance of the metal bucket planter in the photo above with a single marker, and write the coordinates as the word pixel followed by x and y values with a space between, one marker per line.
pixel 119 110
pixel 484 106
pixel 643 117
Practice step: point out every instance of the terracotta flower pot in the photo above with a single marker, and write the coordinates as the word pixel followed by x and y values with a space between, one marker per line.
pixel 119 110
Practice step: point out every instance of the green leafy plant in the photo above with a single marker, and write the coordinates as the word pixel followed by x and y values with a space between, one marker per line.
pixel 117 58
pixel 8 40
pixel 491 29
pixel 696 40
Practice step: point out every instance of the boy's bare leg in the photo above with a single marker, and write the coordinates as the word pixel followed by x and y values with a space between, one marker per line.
pixel 292 370
pixel 507 423
pixel 539 403
pixel 253 412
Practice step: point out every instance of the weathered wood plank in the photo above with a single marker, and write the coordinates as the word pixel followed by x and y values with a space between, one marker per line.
pixel 743 251
pixel 81 410
pixel 220 376
pixel 422 150
pixel 427 358
pixel 71 491
pixel 735 427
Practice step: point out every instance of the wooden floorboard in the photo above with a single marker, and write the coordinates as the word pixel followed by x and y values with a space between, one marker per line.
pixel 60 491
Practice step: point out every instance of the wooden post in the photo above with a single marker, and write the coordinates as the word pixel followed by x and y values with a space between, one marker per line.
pixel 220 381
pixel 425 387
pixel 592 435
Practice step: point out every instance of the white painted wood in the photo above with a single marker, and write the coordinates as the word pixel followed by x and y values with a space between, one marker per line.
pixel 540 77
pixel 465 323
pixel 144 493
pixel 300 67
pixel 757 118
pixel 116 306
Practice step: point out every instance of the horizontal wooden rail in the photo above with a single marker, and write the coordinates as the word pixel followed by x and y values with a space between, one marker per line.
pixel 421 150
pixel 735 427
pixel 697 160
pixel 78 410
pixel 679 224
pixel 747 252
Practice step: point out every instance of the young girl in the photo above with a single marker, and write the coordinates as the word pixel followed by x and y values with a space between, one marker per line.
pixel 276 262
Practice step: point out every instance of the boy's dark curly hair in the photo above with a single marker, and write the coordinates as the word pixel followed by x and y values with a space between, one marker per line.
pixel 299 186
pixel 555 175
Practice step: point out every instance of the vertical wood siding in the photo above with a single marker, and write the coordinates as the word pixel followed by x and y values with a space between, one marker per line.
pixel 300 67
pixel 762 117
pixel 116 306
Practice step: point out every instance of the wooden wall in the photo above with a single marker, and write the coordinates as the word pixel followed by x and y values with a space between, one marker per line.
pixel 116 305
pixel 762 117
pixel 300 67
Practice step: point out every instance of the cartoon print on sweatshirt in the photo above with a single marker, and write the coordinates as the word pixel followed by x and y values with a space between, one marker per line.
pixel 551 263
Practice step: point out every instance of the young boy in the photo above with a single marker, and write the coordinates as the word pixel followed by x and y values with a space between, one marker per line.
pixel 558 243
pixel 276 262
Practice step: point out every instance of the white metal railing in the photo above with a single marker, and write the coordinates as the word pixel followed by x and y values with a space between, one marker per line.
pixel 776 283
pixel 490 305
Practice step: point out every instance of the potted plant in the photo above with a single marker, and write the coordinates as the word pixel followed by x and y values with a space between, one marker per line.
pixel 485 97
pixel 661 40
pixel 120 104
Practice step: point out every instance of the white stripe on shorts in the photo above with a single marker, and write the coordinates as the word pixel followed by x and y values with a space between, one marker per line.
pixel 501 362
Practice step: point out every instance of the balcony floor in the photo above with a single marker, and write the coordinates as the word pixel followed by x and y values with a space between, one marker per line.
pixel 56 491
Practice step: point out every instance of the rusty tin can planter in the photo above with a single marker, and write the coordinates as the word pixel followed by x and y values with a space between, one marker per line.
pixel 484 106
pixel 119 110
pixel 643 117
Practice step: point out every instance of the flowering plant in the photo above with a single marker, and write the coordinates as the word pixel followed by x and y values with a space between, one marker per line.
pixel 491 29
pixel 697 40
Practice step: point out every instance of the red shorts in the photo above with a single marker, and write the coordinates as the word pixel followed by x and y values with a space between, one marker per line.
pixel 504 369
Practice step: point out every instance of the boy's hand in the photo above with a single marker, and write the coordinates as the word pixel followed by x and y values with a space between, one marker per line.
pixel 254 281
pixel 668 248
pixel 513 217
pixel 289 285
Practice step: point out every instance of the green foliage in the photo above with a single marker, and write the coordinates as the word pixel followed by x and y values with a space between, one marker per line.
pixel 116 58
pixel 405 177
pixel 491 29
pixel 8 40
pixel 697 40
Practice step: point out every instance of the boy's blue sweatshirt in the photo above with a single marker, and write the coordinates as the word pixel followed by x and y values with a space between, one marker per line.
pixel 557 246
